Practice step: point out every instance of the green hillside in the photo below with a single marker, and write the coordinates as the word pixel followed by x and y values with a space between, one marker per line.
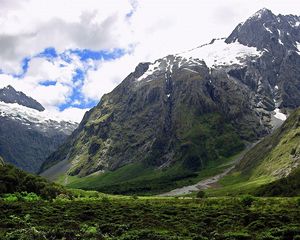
pixel 287 186
pixel 275 157
pixel 205 150
pixel 14 180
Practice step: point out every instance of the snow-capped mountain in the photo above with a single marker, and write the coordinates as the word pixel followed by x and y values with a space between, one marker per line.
pixel 43 121
pixel 195 107
pixel 28 132
pixel 10 95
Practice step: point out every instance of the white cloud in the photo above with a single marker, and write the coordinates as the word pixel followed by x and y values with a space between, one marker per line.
pixel 165 27
pixel 155 29
pixel 101 80
pixel 71 113
pixel 37 24
pixel 51 95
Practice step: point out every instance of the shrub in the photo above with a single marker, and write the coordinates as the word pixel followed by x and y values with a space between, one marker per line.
pixel 200 194
pixel 135 197
pixel 30 197
pixel 10 197
pixel 23 196
pixel 237 236
pixel 247 200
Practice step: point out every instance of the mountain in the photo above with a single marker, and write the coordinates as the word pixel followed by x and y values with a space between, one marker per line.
pixel 185 112
pixel 10 95
pixel 28 133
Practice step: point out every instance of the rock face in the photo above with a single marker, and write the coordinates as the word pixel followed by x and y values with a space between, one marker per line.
pixel 196 107
pixel 28 134
pixel 10 95
pixel 279 38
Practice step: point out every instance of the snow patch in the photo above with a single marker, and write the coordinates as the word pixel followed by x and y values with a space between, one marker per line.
pixel 279 115
pixel 268 29
pixel 152 68
pixel 298 46
pixel 279 32
pixel 169 66
pixel 276 87
pixel 220 53
pixel 258 14
pixel 190 70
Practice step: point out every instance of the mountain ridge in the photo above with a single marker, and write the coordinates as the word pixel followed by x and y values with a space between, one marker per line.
pixel 164 113
pixel 10 95
pixel 28 132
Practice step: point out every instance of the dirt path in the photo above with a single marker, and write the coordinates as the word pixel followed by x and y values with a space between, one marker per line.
pixel 209 182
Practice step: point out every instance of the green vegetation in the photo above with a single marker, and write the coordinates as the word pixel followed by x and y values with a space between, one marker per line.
pixel 270 160
pixel 91 215
pixel 23 196
pixel 144 180
pixel 200 194
pixel 207 146
pixel 287 186
pixel 275 154
pixel 210 138
pixel 14 180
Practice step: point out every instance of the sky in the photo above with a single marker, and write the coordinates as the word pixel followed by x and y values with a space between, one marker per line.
pixel 67 53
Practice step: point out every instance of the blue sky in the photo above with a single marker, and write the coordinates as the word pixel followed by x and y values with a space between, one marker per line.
pixel 67 59
pixel 77 97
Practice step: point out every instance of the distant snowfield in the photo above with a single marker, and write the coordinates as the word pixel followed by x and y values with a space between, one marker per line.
pixel 214 54
pixel 220 53
pixel 25 114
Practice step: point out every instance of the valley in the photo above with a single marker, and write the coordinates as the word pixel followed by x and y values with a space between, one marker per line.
pixel 202 144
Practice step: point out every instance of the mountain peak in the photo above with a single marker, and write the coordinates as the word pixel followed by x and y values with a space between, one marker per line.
pixel 262 13
pixel 10 87
pixel 266 31
pixel 9 95
pixel 261 16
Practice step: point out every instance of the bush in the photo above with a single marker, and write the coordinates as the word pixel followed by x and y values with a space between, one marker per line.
pixel 15 180
pixel 135 197
pixel 247 200
pixel 200 194
pixel 23 196
pixel 237 236
pixel 10 197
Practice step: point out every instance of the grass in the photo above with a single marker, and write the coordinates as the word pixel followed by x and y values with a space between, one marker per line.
pixel 135 175
pixel 271 159
pixel 93 215
pixel 228 188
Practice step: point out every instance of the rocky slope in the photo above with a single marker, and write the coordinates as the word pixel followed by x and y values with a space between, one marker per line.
pixel 10 95
pixel 28 133
pixel 194 108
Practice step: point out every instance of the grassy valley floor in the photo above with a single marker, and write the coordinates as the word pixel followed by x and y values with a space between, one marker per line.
pixel 99 216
